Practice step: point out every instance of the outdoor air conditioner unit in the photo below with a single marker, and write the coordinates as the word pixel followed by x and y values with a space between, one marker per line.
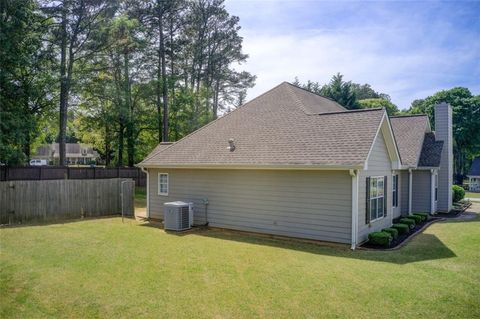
pixel 178 215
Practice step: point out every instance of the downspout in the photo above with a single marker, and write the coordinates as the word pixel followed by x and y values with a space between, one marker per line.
pixel 409 191
pixel 354 175
pixel 432 191
pixel 148 193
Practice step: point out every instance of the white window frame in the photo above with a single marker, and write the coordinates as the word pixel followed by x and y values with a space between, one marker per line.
pixel 167 184
pixel 377 197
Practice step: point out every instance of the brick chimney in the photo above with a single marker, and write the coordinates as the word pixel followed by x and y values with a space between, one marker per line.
pixel 443 132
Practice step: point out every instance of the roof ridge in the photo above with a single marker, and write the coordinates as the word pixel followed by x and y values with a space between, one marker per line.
pixel 419 152
pixel 353 111
pixel 214 121
pixel 408 115
pixel 296 98
pixel 325 97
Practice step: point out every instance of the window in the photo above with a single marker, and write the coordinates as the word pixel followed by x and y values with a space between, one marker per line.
pixel 377 192
pixel 436 187
pixel 163 184
pixel 395 191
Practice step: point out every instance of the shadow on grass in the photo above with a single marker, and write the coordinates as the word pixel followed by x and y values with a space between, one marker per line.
pixel 36 223
pixel 422 247
pixel 425 247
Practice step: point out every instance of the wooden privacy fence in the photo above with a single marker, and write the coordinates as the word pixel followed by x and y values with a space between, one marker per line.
pixel 26 201
pixel 36 173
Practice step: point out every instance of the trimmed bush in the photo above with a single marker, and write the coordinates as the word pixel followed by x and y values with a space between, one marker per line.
pixel 380 238
pixel 416 218
pixel 402 228
pixel 392 231
pixel 423 215
pixel 409 222
pixel 458 193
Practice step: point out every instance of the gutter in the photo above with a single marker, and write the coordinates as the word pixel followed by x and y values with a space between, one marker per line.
pixel 256 167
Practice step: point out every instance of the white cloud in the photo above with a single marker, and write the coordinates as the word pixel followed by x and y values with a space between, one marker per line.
pixel 398 58
pixel 317 56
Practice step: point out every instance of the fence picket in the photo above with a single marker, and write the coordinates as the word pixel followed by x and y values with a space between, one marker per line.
pixel 48 200
pixel 26 173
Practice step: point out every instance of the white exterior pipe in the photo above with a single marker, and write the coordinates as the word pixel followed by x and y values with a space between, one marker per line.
pixel 354 175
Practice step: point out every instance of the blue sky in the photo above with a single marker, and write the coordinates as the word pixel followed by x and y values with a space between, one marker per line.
pixel 406 49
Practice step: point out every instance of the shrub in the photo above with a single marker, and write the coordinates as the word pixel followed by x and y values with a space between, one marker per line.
pixel 409 222
pixel 458 193
pixel 392 231
pixel 416 218
pixel 380 238
pixel 423 215
pixel 402 228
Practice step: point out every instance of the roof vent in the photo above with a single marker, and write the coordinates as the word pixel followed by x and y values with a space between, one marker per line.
pixel 231 146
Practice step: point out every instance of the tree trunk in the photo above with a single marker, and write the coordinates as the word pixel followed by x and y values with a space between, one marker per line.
pixel 117 75
pixel 26 145
pixel 164 77
pixel 107 145
pixel 159 94
pixel 215 99
pixel 129 109
pixel 63 88
pixel 120 144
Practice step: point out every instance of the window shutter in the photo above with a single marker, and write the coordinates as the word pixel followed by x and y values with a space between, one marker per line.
pixel 385 192
pixel 367 197
pixel 396 191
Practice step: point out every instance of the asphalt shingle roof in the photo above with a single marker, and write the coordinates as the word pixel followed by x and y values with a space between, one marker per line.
pixel 409 134
pixel 284 126
pixel 475 168
pixel 431 151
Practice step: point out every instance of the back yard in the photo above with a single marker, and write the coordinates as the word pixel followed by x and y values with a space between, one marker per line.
pixel 103 268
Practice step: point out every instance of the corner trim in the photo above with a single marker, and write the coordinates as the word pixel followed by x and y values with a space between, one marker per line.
pixel 354 175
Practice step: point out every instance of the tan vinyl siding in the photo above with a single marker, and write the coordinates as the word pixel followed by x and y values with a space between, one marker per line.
pixel 403 192
pixel 421 191
pixel 379 164
pixel 306 204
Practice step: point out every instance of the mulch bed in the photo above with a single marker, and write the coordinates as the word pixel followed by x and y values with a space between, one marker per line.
pixel 401 238
pixel 458 210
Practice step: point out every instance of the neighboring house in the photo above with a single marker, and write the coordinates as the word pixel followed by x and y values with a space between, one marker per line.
pixel 474 176
pixel 297 164
pixel 76 154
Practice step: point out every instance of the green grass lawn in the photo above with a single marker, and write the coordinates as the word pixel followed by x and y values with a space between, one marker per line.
pixel 103 268
pixel 472 195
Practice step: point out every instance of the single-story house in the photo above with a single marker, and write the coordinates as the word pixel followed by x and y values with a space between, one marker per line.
pixel 294 163
pixel 474 176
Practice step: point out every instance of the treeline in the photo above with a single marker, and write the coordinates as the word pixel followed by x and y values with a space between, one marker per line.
pixel 121 75
pixel 465 109
pixel 350 95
